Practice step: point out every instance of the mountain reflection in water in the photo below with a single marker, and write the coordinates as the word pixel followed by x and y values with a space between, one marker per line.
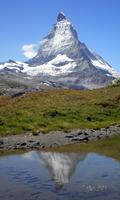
pixel 90 176
pixel 60 166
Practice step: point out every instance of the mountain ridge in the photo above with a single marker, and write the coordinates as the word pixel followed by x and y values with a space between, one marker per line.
pixel 64 60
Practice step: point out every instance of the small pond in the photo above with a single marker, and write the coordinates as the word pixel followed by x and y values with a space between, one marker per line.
pixel 38 175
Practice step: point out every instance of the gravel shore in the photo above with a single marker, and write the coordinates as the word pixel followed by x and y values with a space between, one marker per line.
pixel 55 138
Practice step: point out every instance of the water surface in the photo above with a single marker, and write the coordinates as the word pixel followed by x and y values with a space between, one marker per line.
pixel 56 176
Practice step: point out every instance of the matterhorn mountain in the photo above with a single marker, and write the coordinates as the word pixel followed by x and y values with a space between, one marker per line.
pixel 62 61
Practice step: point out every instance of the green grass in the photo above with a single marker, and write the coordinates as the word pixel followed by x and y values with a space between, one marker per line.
pixel 59 110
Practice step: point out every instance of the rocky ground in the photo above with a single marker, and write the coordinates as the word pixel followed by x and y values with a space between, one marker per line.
pixel 56 138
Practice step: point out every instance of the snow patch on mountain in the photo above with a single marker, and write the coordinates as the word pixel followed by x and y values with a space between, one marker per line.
pixel 102 65
pixel 60 59
pixel 59 65
pixel 11 66
pixel 16 66
pixel 64 65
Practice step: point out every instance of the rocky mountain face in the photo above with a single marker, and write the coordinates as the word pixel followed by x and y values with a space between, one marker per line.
pixel 62 61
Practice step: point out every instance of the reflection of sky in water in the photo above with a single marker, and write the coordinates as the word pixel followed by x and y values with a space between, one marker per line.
pixel 32 176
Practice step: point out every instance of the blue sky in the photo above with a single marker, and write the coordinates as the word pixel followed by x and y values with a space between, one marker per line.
pixel 24 22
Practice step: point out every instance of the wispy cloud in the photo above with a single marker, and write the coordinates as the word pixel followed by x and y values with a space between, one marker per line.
pixel 29 50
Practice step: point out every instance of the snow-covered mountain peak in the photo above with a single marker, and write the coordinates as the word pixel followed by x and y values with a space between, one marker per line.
pixel 61 16
pixel 62 21
pixel 64 60
pixel 62 39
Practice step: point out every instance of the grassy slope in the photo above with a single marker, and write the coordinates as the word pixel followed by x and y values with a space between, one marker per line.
pixel 60 110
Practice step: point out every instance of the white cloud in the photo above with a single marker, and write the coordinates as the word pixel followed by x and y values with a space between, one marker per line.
pixel 29 50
